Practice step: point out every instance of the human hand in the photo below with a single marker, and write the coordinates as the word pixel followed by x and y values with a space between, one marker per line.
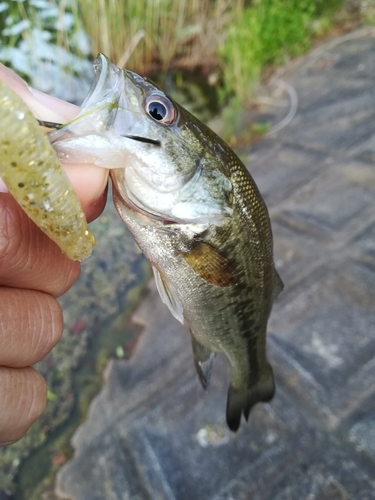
pixel 33 272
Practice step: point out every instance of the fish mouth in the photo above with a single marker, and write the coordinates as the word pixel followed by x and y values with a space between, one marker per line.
pixel 110 113
pixel 107 77
pixel 57 126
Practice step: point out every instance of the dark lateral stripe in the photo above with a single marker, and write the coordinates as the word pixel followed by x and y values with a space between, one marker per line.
pixel 143 139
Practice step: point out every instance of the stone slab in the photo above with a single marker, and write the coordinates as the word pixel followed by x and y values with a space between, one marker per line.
pixel 153 433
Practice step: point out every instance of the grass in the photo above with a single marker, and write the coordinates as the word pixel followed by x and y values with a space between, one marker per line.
pixel 162 34
pixel 269 32
pixel 237 37
pixel 234 39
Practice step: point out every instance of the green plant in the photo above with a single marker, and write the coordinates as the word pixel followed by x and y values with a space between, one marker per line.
pixel 261 128
pixel 44 42
pixel 268 31
pixel 152 36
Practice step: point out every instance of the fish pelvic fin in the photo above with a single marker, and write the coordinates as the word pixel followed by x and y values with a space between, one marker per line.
pixel 168 297
pixel 278 285
pixel 203 360
pixel 241 400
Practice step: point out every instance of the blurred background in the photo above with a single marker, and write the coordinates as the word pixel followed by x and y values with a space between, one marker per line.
pixel 206 53
pixel 218 58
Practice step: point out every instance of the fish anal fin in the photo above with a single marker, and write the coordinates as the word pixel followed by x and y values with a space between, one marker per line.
pixel 168 297
pixel 203 360
pixel 278 285
pixel 209 264
pixel 241 400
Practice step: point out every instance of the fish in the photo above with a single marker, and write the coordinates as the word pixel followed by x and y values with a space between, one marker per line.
pixel 197 215
pixel 31 171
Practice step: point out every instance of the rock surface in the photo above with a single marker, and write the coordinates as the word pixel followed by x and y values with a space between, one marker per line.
pixel 152 433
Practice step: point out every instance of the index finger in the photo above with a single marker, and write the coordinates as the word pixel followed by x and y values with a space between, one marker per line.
pixel 28 258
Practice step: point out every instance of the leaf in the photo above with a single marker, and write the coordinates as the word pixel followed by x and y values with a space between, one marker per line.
pixel 51 396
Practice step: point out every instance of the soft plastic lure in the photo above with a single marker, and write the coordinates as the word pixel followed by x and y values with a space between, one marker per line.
pixel 31 171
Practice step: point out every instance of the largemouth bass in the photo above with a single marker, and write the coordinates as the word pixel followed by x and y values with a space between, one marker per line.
pixel 31 171
pixel 196 214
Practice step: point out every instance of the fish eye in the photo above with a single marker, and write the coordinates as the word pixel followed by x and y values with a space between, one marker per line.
pixel 161 109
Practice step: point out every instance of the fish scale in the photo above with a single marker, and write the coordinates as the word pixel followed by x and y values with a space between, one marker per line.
pixel 197 215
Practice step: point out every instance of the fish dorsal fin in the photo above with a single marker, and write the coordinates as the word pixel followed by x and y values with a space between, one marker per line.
pixel 167 296
pixel 278 285
pixel 203 360
pixel 209 264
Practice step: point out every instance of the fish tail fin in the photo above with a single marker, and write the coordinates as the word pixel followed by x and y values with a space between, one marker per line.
pixel 241 400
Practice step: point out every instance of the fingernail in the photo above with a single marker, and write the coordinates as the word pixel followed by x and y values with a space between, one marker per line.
pixel 100 199
pixel 58 107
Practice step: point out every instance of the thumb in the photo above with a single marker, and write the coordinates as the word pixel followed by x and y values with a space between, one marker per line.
pixel 88 181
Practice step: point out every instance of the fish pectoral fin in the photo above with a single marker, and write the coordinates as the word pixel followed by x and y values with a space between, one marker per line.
pixel 203 360
pixel 241 400
pixel 278 285
pixel 206 261
pixel 170 299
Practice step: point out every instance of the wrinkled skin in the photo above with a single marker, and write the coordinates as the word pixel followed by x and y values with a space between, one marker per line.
pixel 33 272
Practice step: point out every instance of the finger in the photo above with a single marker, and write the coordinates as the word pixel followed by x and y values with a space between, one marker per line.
pixel 90 184
pixel 89 181
pixel 23 399
pixel 3 188
pixel 28 258
pixel 31 325
pixel 95 209
pixel 43 106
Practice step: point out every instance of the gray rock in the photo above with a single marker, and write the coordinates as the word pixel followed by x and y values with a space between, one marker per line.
pixel 152 433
